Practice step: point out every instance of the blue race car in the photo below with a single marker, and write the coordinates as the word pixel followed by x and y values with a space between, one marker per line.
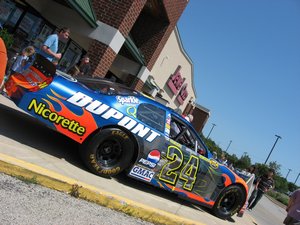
pixel 120 129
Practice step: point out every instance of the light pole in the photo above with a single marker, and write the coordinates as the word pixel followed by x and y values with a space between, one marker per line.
pixel 213 125
pixel 297 178
pixel 277 137
pixel 228 145
pixel 288 173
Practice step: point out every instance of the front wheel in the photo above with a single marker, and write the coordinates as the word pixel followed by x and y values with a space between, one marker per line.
pixel 108 152
pixel 229 202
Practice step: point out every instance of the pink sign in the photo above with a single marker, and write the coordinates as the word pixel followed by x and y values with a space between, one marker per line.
pixel 182 94
pixel 175 81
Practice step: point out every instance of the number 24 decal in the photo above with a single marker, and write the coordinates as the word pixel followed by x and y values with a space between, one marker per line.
pixel 188 173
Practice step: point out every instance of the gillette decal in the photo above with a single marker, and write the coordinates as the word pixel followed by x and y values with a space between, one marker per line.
pixel 152 159
pixel 98 108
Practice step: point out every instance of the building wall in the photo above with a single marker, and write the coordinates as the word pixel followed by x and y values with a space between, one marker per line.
pixel 116 20
pixel 171 56
pixel 201 116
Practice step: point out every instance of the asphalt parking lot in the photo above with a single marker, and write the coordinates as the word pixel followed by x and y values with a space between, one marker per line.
pixel 36 146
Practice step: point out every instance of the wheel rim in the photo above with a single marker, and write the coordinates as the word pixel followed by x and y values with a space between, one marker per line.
pixel 109 152
pixel 228 202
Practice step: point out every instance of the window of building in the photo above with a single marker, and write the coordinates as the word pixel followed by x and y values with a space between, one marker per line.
pixel 152 116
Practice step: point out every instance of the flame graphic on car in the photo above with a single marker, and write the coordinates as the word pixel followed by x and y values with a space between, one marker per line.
pixel 83 118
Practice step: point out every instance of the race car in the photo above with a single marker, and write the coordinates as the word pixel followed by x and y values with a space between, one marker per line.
pixel 122 130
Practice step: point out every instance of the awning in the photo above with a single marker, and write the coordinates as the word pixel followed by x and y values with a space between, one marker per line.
pixel 138 56
pixel 85 9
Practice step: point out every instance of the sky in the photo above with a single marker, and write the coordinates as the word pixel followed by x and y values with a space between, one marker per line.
pixel 246 58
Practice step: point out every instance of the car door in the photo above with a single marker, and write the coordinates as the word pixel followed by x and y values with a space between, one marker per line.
pixel 187 170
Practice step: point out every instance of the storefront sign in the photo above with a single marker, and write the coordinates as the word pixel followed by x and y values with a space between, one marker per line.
pixel 182 94
pixel 175 81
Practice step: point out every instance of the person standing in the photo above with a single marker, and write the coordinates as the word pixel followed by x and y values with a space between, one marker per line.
pixel 3 59
pixel 85 66
pixel 22 59
pixel 50 47
pixel 264 184
pixel 252 185
pixel 293 209
pixel 19 64
pixel 223 159
pixel 189 117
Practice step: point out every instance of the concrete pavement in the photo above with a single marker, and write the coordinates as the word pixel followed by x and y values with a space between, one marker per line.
pixel 38 150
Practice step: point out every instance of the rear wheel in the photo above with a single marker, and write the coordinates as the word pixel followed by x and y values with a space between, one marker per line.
pixel 229 202
pixel 108 152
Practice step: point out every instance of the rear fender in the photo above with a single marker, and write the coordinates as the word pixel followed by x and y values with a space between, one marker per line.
pixel 37 76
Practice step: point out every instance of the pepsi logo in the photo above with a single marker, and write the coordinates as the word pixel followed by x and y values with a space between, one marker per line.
pixel 154 156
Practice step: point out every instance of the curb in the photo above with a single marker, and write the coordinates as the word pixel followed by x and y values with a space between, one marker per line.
pixel 27 171
pixel 275 201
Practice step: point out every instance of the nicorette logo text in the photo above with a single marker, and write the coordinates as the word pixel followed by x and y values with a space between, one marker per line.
pixel 41 110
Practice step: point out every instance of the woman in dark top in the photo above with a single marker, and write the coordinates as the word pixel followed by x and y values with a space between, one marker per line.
pixel 264 184
pixel 84 66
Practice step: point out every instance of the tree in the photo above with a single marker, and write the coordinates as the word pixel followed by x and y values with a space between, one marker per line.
pixel 281 184
pixel 232 159
pixel 212 146
pixel 7 38
pixel 276 167
pixel 261 169
pixel 292 187
pixel 244 162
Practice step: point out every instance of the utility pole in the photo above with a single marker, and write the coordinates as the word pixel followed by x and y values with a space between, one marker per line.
pixel 213 125
pixel 287 174
pixel 228 145
pixel 277 137
pixel 297 178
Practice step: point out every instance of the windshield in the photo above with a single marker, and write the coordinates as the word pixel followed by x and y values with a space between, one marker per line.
pixel 106 87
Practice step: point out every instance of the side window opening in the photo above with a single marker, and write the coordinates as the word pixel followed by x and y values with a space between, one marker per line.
pixel 152 116
pixel 181 133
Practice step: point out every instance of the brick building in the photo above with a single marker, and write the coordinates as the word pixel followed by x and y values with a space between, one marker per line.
pixel 123 38
pixel 113 33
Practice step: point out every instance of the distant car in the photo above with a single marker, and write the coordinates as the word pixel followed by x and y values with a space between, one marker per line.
pixel 120 129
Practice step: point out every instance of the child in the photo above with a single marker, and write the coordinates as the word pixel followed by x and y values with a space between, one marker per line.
pixel 21 61
pixel 19 65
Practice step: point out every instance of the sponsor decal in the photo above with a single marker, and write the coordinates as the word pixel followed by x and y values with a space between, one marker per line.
pixel 98 108
pixel 127 100
pixel 142 173
pixel 145 162
pixel 41 110
pixel 154 156
pixel 214 164
pixel 152 159
pixel 131 111
pixel 168 124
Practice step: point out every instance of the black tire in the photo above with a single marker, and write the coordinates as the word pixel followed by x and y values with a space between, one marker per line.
pixel 229 202
pixel 108 152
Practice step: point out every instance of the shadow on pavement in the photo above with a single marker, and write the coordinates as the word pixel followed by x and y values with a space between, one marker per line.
pixel 29 131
